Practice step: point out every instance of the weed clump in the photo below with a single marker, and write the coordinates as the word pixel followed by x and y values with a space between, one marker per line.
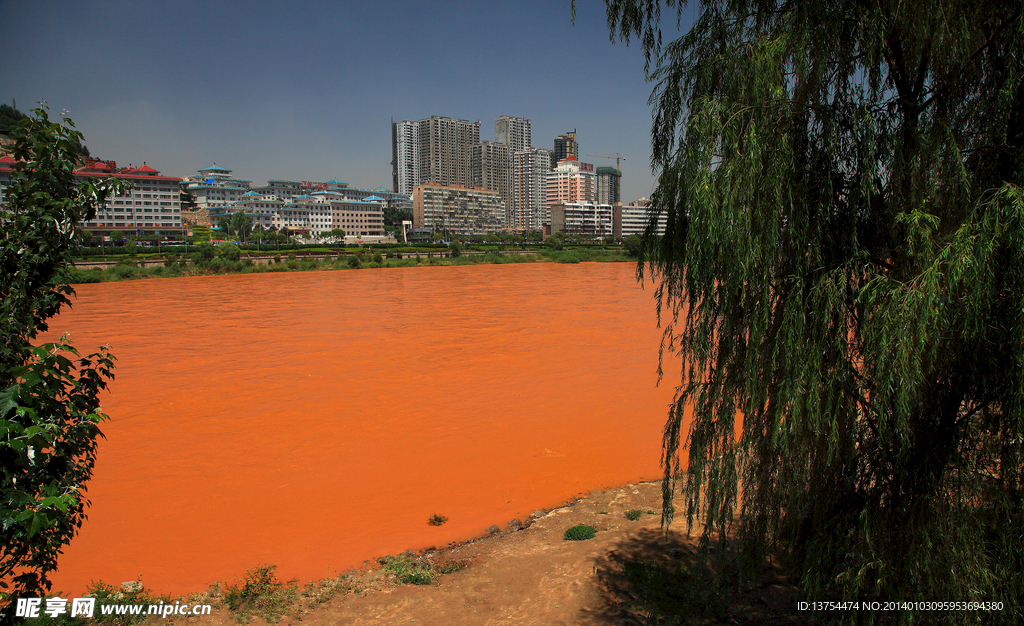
pixel 579 532
pixel 260 593
pixel 633 514
pixel 437 520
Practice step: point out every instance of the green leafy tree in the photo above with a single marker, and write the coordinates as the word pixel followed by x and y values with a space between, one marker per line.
pixel 634 244
pixel 187 199
pixel 841 277
pixel 394 217
pixel 241 224
pixel 49 394
pixel 116 236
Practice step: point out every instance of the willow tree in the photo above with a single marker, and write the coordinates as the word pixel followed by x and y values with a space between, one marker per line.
pixel 842 276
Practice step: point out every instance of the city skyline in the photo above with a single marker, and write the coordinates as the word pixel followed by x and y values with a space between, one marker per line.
pixel 307 92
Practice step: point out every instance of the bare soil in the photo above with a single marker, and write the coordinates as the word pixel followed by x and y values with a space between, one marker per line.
pixel 533 576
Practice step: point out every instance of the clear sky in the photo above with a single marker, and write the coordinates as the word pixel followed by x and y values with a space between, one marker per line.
pixel 307 90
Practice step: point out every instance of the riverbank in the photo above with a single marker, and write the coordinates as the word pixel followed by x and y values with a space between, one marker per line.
pixel 170 266
pixel 527 573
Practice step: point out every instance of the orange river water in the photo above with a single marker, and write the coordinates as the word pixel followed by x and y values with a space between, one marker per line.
pixel 315 420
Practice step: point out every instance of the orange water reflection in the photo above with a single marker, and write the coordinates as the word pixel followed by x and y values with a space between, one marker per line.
pixel 315 420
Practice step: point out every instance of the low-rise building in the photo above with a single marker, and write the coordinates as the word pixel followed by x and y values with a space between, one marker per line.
pixel 214 186
pixel 634 218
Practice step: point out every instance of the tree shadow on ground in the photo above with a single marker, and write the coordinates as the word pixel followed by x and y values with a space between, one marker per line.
pixel 653 578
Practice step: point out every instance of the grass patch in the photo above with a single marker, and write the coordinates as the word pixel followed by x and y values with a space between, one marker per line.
pixel 580 532
pixel 410 569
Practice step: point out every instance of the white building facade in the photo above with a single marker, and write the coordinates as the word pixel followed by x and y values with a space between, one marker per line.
pixel 214 186
pixel 634 218
pixel 530 168
pixel 151 206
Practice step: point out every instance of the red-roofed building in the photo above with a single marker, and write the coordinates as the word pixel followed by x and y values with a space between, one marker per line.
pixel 151 206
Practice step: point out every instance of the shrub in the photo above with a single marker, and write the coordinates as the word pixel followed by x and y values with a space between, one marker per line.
pixel 437 520
pixel 633 514
pixel 204 253
pixel 260 593
pixel 580 532
pixel 229 252
pixel 377 258
pixel 353 261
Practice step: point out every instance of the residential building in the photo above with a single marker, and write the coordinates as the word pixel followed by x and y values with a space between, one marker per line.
pixel 491 164
pixel 570 182
pixel 440 148
pixel 607 182
pixel 582 218
pixel 530 168
pixel 565 147
pixel 405 156
pixel 456 209
pixel 635 217
pixel 513 132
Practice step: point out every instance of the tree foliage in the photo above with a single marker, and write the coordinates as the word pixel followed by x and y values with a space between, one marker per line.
pixel 49 394
pixel 10 118
pixel 840 276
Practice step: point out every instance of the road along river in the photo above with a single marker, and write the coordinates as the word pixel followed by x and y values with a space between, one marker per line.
pixel 314 420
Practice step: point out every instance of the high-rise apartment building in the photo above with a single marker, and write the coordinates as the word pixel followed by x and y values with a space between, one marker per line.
pixel 608 179
pixel 570 182
pixel 529 188
pixel 512 131
pixel 444 150
pixel 491 165
pixel 432 150
pixel 565 146
pixel 405 156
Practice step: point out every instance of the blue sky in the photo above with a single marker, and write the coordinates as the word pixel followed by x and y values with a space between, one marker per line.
pixel 307 90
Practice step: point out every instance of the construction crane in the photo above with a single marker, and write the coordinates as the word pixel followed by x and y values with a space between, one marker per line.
pixel 616 157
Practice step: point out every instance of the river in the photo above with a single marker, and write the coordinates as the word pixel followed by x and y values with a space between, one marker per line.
pixel 315 420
